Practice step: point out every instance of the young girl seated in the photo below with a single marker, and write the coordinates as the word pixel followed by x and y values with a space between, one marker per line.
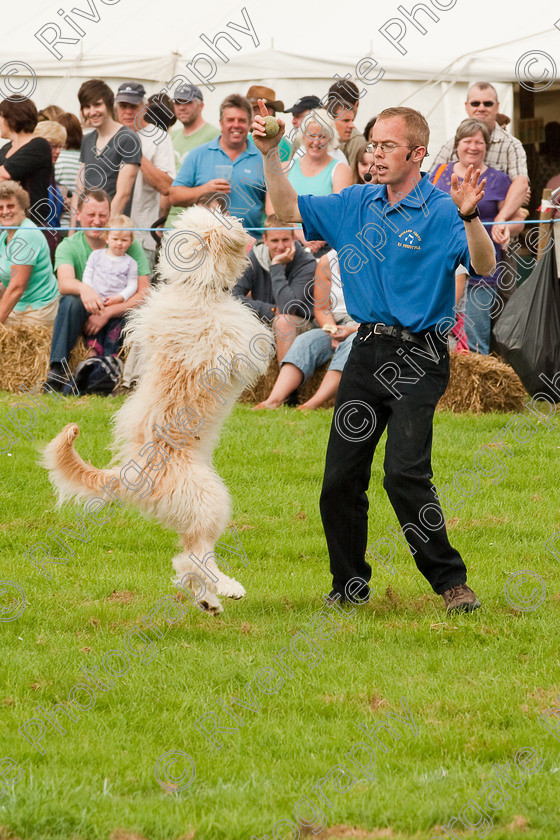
pixel 114 276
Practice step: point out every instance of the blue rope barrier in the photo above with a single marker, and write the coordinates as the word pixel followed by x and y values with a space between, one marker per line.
pixel 262 228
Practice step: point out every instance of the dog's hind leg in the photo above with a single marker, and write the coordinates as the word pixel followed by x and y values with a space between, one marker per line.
pixel 190 575
pixel 204 564
pixel 210 508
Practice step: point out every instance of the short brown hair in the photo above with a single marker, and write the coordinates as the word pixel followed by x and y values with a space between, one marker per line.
pixel 417 128
pixel 235 100
pixel 160 111
pixel 97 195
pixel 483 86
pixel 9 189
pixel 20 113
pixel 74 133
pixel 95 89
pixel 273 221
pixel 469 127
pixel 343 95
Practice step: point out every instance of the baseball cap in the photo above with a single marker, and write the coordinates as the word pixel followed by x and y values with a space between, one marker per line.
pixel 306 103
pixel 131 92
pixel 186 93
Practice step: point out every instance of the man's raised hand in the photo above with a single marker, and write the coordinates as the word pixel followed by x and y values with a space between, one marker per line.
pixel 263 143
pixel 467 195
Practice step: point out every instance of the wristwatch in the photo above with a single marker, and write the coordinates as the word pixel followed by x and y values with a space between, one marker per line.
pixel 474 215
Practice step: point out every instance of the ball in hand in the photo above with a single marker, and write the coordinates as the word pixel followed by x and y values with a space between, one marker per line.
pixel 271 126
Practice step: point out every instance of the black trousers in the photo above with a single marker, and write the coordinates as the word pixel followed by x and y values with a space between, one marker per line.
pixel 387 384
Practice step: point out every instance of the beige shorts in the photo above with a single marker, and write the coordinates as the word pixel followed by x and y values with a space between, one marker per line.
pixel 45 315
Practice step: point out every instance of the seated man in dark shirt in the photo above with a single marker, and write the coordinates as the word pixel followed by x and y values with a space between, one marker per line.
pixel 278 284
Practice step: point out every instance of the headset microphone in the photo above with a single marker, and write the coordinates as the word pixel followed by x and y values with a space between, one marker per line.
pixel 368 176
pixel 409 155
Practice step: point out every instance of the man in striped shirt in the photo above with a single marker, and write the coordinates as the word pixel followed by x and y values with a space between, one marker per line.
pixel 506 153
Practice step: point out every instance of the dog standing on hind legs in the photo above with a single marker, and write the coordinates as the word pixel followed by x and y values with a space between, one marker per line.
pixel 200 348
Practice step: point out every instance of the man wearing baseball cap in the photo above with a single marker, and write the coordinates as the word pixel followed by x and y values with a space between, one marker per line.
pixel 302 107
pixel 131 92
pixel 194 131
pixel 157 168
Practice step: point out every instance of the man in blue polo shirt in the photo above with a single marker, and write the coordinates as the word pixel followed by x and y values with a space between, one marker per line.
pixel 398 243
pixel 242 193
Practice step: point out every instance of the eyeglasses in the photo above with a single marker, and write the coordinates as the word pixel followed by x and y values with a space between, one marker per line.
pixel 389 148
pixel 487 103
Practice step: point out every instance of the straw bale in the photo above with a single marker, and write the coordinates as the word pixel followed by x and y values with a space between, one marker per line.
pixel 477 385
pixel 24 355
pixel 480 384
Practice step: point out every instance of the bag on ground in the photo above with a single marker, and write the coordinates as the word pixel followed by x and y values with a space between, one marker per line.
pixel 527 334
pixel 98 375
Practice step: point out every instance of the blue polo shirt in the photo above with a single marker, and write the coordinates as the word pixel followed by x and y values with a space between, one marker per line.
pixel 248 188
pixel 397 263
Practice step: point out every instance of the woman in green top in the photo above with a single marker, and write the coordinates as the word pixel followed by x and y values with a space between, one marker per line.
pixel 317 172
pixel 30 292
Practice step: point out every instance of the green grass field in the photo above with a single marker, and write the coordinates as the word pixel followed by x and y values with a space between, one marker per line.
pixel 462 694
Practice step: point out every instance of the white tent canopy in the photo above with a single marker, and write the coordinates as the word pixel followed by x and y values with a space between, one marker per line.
pixel 294 48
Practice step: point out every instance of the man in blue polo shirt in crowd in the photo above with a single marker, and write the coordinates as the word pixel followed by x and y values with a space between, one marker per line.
pixel 240 191
pixel 398 243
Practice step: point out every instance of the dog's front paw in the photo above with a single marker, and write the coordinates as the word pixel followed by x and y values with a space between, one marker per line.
pixel 230 588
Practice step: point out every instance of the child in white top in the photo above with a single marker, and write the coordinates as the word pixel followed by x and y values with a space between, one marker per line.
pixel 114 276
pixel 111 271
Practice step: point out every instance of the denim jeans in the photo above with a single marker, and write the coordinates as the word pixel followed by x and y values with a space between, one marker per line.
pixel 313 348
pixel 368 401
pixel 478 311
pixel 70 318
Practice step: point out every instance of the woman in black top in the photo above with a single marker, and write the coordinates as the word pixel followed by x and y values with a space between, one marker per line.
pixel 25 158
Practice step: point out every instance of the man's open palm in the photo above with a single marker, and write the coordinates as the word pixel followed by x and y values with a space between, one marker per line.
pixel 467 194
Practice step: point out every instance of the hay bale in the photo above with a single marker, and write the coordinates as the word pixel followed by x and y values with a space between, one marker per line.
pixel 264 385
pixel 24 355
pixel 477 384
pixel 480 384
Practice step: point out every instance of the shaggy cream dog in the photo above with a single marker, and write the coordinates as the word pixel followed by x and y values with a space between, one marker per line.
pixel 200 348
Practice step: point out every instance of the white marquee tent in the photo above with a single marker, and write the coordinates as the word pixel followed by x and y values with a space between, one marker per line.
pixel 293 47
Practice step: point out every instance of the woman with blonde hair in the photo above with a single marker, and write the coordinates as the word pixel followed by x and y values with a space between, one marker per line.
pixel 316 171
pixel 30 289
pixel 55 135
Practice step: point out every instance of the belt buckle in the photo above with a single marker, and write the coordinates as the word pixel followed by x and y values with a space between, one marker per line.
pixel 379 331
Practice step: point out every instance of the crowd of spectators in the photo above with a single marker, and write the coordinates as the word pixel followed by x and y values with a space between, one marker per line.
pixel 133 162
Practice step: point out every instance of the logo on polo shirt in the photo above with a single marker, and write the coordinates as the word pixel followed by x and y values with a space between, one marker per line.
pixel 409 239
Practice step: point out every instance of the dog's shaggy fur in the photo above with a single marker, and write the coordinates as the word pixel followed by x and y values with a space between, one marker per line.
pixel 191 333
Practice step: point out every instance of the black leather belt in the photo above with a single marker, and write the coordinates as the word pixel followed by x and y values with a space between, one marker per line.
pixel 392 331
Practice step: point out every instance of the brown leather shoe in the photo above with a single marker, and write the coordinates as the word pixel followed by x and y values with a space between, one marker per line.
pixel 460 598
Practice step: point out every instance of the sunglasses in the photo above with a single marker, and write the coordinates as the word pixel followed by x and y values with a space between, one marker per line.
pixel 487 103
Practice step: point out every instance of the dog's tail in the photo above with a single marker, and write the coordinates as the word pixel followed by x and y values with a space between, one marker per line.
pixel 70 475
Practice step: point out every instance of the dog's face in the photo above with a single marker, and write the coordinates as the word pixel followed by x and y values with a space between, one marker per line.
pixel 205 250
